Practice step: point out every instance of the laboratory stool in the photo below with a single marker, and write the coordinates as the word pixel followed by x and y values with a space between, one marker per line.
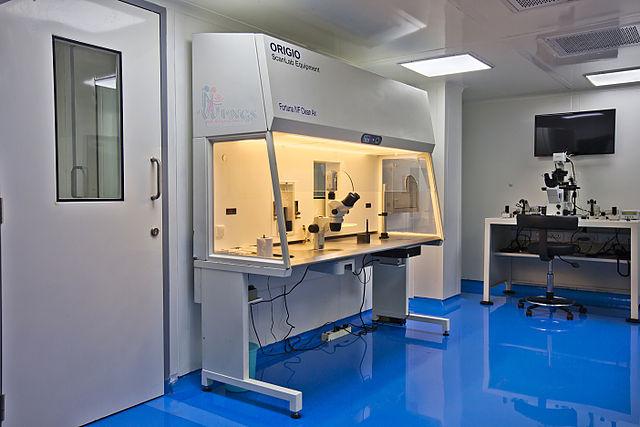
pixel 548 251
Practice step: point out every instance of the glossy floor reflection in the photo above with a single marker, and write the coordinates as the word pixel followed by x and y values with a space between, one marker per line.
pixel 498 368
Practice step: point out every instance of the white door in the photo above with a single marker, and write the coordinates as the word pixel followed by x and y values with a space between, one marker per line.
pixel 81 271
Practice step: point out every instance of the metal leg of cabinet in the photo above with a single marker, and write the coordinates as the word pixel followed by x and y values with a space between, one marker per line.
pixel 225 337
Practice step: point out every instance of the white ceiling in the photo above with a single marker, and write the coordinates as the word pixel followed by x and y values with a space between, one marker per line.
pixel 377 34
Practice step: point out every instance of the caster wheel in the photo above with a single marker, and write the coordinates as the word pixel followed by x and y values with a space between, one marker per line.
pixel 205 388
pixel 520 305
pixel 445 333
pixel 582 310
pixel 569 316
pixel 529 313
pixel 296 415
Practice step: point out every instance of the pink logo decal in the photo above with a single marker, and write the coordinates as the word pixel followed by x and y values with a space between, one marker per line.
pixel 214 112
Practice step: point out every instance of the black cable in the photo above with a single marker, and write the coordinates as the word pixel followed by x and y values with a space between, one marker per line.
pixel 285 293
pixel 360 272
pixel 515 245
pixel 364 353
pixel 270 300
pixel 293 373
pixel 253 323
pixel 628 273
pixel 612 247
pixel 286 320
pixel 271 307
pixel 353 188
pixel 291 343
pixel 575 193
pixel 582 209
pixel 364 328
pixel 572 264
pixel 573 168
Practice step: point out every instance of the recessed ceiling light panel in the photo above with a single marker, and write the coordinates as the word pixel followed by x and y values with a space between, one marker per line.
pixel 618 77
pixel 446 65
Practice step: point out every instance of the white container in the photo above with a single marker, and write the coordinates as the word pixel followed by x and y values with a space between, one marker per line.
pixel 265 246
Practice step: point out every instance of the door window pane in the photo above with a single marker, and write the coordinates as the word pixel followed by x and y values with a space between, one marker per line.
pixel 88 101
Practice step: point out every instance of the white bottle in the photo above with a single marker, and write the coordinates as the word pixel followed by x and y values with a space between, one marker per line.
pixel 265 246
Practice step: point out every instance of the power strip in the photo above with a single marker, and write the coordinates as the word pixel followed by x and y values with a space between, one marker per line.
pixel 335 333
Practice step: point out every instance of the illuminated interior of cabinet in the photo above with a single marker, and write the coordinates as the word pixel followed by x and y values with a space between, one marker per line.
pixel 393 184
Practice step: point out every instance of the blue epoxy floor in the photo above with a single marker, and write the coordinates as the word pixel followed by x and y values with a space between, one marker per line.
pixel 498 368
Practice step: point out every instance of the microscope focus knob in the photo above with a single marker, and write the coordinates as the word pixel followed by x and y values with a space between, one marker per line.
pixel 313 228
pixel 334 211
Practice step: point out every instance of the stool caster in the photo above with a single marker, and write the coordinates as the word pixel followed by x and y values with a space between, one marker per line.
pixel 582 310
pixel 569 316
pixel 206 388
pixel 520 305
pixel 296 415
pixel 508 292
pixel 445 333
pixel 529 313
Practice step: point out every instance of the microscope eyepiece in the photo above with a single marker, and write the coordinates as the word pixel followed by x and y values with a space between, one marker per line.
pixel 351 199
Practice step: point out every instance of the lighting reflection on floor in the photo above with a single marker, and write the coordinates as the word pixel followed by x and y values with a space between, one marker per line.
pixel 498 368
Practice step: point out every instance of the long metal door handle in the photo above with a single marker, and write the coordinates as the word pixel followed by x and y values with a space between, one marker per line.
pixel 158 178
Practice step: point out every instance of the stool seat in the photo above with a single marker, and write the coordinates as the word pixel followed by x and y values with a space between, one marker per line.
pixel 554 249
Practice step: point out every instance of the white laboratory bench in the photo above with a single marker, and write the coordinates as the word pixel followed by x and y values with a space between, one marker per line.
pixel 225 303
pixel 598 272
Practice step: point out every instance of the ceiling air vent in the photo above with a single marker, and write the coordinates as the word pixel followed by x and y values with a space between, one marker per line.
pixel 522 5
pixel 596 41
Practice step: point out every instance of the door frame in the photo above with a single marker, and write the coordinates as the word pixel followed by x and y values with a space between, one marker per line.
pixel 164 120
pixel 1 392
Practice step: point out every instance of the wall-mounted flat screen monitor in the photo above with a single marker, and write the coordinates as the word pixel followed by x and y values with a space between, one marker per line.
pixel 578 133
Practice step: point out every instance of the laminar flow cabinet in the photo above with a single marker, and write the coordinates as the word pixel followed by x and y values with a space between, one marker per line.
pixel 301 162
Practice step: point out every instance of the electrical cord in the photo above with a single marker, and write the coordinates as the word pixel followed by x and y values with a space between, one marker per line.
pixel 253 324
pixel 571 263
pixel 271 308
pixel 270 300
pixel 628 273
pixel 573 167
pixel 286 320
pixel 292 344
pixel 364 328
pixel 515 245
pixel 611 247
pixel 285 293
pixel 353 188
pixel 582 209
pixel 575 193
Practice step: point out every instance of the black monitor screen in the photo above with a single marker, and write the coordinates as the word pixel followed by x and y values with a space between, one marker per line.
pixel 584 132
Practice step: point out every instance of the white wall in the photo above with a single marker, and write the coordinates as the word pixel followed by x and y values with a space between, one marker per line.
pixel 182 22
pixel 436 273
pixel 499 168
